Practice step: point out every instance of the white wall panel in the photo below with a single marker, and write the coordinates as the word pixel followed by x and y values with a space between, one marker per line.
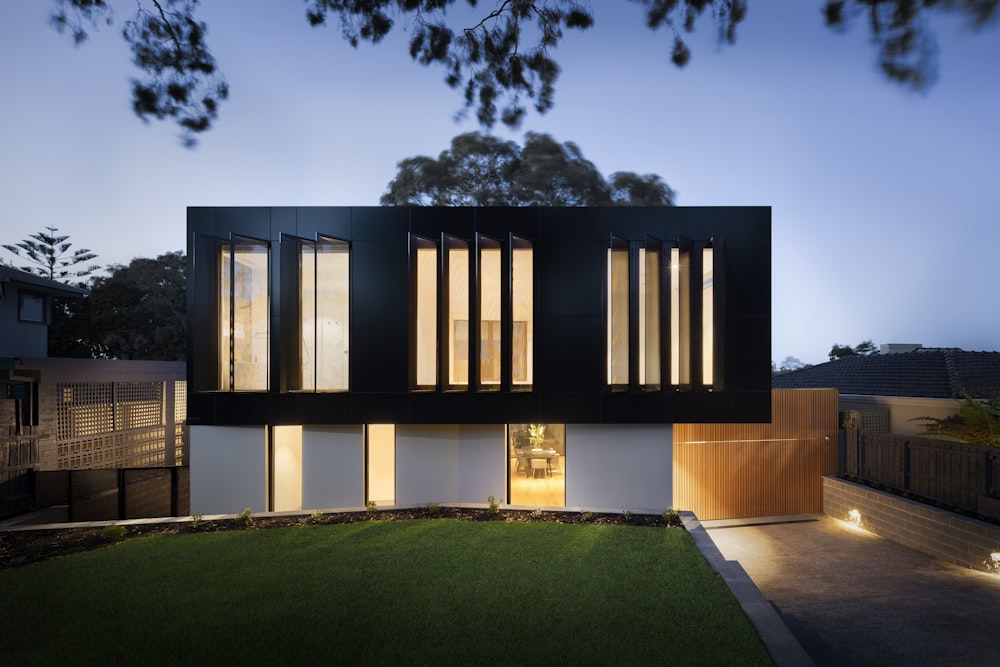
pixel 482 463
pixel 427 463
pixel 228 469
pixel 333 467
pixel 619 466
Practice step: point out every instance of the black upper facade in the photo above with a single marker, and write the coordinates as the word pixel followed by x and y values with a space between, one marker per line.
pixel 571 288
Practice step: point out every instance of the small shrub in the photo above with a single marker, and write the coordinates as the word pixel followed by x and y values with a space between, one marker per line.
pixel 494 508
pixel 434 509
pixel 626 516
pixel 113 533
pixel 316 516
pixel 537 512
pixel 586 517
pixel 371 508
pixel 244 519
pixel 195 520
pixel 672 517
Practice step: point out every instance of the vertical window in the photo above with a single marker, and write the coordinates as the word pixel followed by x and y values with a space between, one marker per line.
pixel 381 468
pixel 243 316
pixel 537 464
pixel 522 310
pixel 649 315
pixel 426 286
pixel 324 315
pixel 707 316
pixel 617 313
pixel 680 347
pixel 490 298
pixel 457 268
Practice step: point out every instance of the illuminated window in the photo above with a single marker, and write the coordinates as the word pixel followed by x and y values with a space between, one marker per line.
pixel 457 267
pixel 425 256
pixel 523 309
pixel 324 312
pixel 490 298
pixel 243 316
pixel 680 343
pixel 649 315
pixel 618 313
pixel 707 316
pixel 537 464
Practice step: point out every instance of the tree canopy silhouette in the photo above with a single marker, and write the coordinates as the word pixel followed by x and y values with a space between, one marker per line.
pixel 501 60
pixel 482 170
pixel 135 312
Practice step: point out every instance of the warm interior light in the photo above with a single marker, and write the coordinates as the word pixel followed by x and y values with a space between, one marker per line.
pixel 458 316
pixel 707 316
pixel 617 316
pixel 523 306
pixel 426 317
pixel 490 295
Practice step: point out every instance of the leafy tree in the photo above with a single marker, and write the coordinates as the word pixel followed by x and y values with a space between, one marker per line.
pixel 789 364
pixel 501 61
pixel 135 312
pixel 977 422
pixel 50 257
pixel 481 170
pixel 863 349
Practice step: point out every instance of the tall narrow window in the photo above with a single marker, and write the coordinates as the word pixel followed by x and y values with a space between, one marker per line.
pixel 458 312
pixel 680 346
pixel 617 313
pixel 649 315
pixel 243 316
pixel 522 311
pixel 426 315
pixel 707 316
pixel 490 297
pixel 324 311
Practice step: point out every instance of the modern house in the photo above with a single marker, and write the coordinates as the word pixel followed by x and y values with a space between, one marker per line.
pixel 891 389
pixel 339 355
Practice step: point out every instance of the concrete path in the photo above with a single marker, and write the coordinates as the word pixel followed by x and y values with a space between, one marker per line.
pixel 853 598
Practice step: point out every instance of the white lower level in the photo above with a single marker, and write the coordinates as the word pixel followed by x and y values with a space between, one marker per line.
pixel 285 468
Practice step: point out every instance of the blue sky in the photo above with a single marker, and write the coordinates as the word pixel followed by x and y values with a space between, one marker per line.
pixel 884 201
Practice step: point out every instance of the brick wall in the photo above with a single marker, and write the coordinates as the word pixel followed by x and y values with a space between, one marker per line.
pixel 944 535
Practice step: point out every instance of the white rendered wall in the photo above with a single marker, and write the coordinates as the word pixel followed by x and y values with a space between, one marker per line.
pixel 228 469
pixel 427 464
pixel 619 466
pixel 482 463
pixel 333 467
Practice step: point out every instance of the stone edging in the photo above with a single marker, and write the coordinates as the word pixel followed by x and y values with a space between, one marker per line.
pixel 944 535
pixel 784 648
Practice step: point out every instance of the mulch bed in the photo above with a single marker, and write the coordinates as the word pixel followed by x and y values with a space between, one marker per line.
pixel 23 547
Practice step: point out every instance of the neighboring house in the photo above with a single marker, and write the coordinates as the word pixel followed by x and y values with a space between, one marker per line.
pixel 75 414
pixel 25 314
pixel 901 383
pixel 339 356
pixel 26 311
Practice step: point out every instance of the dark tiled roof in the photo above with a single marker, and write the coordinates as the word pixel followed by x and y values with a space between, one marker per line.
pixel 925 373
pixel 9 274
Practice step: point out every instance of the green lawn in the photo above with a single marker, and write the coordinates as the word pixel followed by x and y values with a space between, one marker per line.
pixel 436 591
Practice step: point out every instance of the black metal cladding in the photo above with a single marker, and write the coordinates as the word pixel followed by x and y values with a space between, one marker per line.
pixel 570 329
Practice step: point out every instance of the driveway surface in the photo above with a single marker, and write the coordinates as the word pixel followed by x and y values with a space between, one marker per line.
pixel 853 598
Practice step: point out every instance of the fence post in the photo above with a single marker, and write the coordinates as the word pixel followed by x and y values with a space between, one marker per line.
pixel 121 493
pixel 906 465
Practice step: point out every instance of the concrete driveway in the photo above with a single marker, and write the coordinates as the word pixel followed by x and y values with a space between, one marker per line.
pixel 853 598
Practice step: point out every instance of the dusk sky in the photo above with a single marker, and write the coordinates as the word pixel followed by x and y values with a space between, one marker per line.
pixel 884 201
